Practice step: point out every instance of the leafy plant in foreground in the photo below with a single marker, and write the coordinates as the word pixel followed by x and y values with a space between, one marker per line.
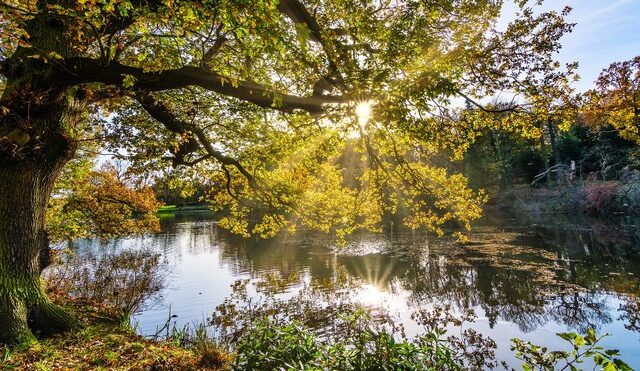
pixel 585 347
pixel 267 346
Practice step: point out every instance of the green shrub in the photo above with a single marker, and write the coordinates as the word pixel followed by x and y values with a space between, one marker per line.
pixel 271 347
pixel 268 346
pixel 584 348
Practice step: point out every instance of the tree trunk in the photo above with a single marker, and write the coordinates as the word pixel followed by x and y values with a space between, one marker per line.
pixel 40 113
pixel 546 161
pixel 25 310
pixel 555 154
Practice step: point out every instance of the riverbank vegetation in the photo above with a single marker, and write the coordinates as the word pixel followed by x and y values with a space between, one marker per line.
pixel 105 342
pixel 302 333
pixel 583 157
pixel 103 291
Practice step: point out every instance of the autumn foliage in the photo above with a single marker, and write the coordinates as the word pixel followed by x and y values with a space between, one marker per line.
pixel 97 203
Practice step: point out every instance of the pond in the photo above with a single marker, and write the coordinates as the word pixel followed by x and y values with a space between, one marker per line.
pixel 528 277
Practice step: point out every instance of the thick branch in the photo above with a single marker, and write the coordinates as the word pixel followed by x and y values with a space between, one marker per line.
pixel 297 12
pixel 162 114
pixel 87 70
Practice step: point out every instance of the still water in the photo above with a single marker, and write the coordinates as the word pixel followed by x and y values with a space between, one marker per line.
pixel 526 277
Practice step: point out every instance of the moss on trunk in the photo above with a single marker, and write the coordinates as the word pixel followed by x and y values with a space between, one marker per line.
pixel 25 310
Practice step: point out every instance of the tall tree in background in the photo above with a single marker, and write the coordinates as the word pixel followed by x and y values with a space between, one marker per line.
pixel 552 104
pixel 616 99
pixel 259 94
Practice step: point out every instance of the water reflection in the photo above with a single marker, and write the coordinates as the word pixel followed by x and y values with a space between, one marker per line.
pixel 524 276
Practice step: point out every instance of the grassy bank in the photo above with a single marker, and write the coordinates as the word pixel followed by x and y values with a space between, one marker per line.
pixel 587 197
pixel 105 342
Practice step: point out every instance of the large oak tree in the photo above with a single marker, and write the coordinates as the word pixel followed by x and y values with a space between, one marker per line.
pixel 261 96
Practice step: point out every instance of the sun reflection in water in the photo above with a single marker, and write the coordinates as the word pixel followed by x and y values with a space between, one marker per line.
pixel 370 295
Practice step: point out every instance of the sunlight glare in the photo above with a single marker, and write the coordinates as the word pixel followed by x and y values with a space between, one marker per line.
pixel 363 112
pixel 371 295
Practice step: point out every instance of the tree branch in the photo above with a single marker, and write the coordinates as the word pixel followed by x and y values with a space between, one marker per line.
pixel 88 70
pixel 510 108
pixel 298 13
pixel 162 114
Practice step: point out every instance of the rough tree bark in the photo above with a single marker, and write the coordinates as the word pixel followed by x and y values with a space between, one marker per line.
pixel 24 247
pixel 33 150
pixel 37 111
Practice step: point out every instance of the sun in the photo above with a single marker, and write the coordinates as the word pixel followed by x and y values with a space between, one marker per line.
pixel 363 111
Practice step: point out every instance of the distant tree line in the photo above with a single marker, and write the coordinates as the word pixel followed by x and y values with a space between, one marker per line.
pixel 593 146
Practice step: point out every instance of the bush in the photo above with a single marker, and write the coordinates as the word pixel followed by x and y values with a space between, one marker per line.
pixel 295 347
pixel 600 196
pixel 271 347
pixel 124 280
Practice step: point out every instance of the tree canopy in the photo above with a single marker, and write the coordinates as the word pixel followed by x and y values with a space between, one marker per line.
pixel 268 89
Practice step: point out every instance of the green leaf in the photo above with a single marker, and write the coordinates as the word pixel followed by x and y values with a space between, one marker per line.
pixel 128 81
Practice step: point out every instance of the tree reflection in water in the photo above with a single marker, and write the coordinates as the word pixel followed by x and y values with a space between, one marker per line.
pixel 520 272
pixel 630 313
pixel 524 277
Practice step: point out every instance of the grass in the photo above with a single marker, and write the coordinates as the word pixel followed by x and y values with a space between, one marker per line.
pixel 175 209
pixel 105 343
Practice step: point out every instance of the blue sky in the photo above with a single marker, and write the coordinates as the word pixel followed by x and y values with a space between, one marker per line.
pixel 607 31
